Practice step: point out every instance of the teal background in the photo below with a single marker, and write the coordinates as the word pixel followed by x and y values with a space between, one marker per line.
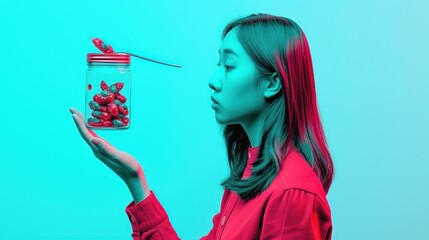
pixel 371 69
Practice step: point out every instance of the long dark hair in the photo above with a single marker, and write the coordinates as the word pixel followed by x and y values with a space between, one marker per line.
pixel 277 44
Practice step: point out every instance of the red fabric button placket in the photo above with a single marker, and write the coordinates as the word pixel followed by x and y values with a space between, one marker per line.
pixel 231 203
pixel 228 210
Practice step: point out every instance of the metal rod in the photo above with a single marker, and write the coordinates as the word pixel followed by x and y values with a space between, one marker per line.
pixel 148 59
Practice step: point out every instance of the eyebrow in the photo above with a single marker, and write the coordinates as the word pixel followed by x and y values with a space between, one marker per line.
pixel 229 51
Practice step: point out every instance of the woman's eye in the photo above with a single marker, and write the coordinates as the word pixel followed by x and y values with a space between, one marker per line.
pixel 226 66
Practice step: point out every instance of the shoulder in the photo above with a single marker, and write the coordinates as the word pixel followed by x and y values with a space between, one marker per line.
pixel 296 177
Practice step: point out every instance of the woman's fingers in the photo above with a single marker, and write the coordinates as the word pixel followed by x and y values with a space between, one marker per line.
pixel 83 126
pixel 77 112
pixel 80 115
pixel 86 135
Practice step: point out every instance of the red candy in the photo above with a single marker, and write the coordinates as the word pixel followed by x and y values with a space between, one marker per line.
pixel 119 86
pixel 113 108
pixel 123 110
pixel 110 98
pixel 103 109
pixel 94 124
pixel 105 116
pixel 125 120
pixel 104 85
pixel 98 98
pixel 107 123
pixel 120 97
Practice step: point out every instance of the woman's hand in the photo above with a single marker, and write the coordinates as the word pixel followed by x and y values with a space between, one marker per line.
pixel 122 163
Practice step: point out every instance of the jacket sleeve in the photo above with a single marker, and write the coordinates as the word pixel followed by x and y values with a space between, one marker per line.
pixel 296 214
pixel 149 220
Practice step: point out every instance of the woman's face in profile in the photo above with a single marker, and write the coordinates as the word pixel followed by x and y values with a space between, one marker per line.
pixel 239 100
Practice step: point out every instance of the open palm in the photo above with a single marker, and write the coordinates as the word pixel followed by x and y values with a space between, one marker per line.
pixel 122 163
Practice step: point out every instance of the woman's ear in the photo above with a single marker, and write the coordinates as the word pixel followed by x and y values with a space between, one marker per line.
pixel 272 85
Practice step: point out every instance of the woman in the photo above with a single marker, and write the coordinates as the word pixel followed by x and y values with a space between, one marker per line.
pixel 281 169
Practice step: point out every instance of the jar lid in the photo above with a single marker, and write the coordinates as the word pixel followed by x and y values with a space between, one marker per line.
pixel 108 58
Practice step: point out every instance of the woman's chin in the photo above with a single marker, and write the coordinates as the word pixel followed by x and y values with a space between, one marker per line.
pixel 219 119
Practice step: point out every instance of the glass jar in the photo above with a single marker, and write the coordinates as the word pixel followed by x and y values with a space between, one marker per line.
pixel 108 91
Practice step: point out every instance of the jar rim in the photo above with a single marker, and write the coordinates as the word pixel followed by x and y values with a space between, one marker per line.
pixel 108 58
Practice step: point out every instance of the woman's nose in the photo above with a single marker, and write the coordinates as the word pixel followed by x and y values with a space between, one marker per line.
pixel 211 86
pixel 215 85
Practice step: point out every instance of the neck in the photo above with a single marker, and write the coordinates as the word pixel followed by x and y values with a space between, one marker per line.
pixel 253 129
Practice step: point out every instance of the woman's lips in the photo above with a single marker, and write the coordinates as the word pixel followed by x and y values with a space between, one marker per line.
pixel 214 100
pixel 215 105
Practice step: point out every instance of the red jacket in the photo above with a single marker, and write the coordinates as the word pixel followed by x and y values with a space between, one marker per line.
pixel 293 207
